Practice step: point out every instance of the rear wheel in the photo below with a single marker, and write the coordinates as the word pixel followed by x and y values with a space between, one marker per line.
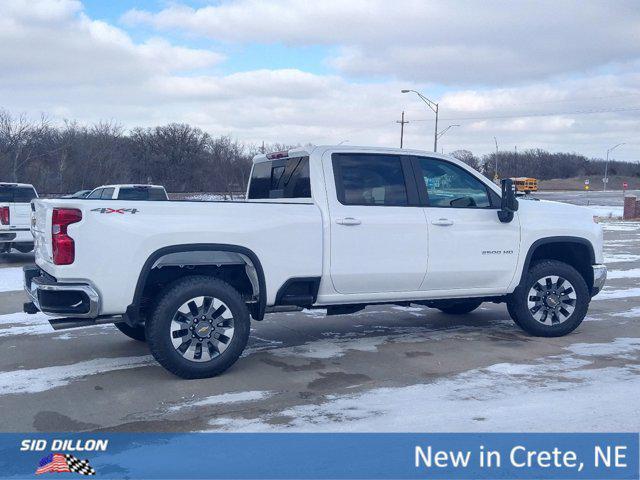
pixel 199 327
pixel 458 307
pixel 551 301
pixel 137 332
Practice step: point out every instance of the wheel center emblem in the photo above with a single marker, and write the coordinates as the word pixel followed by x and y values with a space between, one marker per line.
pixel 203 330
pixel 552 300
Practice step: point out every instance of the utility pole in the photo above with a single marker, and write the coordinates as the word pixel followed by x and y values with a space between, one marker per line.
pixel 605 180
pixel 402 122
pixel 495 175
pixel 435 136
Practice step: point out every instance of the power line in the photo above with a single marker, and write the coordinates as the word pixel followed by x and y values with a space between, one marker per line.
pixel 538 114
pixel 567 100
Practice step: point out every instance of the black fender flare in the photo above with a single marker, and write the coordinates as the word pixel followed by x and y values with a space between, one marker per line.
pixel 559 239
pixel 133 310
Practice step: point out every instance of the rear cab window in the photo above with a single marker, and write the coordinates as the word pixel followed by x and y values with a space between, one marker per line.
pixel 142 193
pixel 17 194
pixel 280 178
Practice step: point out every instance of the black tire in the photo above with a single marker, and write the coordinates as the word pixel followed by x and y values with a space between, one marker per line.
pixel 559 324
pixel 512 311
pixel 458 307
pixel 159 328
pixel 137 333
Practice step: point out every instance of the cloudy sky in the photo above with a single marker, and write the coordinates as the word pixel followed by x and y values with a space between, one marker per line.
pixel 558 75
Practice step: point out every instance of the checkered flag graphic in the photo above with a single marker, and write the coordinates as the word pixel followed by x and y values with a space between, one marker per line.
pixel 79 466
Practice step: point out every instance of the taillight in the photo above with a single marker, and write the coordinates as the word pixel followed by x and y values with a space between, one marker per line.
pixel 4 216
pixel 64 249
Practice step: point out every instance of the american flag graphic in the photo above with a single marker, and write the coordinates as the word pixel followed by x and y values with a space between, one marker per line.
pixel 60 463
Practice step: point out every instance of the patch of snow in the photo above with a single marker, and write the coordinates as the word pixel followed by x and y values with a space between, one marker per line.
pixel 633 313
pixel 608 211
pixel 315 312
pixel 215 197
pixel 331 348
pixel 225 398
pixel 23 324
pixel 409 309
pixel 11 279
pixel 631 273
pixel 609 293
pixel 38 324
pixel 484 399
pixel 42 379
pixel 617 347
pixel 621 227
pixel 620 257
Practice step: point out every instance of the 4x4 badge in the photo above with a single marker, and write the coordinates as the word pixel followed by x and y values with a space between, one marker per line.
pixel 116 210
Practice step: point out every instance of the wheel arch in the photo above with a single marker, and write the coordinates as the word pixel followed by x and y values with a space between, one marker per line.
pixel 201 255
pixel 575 251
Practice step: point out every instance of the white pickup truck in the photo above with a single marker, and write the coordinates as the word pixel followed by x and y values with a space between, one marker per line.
pixel 15 217
pixel 330 227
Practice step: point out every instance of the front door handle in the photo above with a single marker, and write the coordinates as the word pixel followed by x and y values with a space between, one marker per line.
pixel 443 222
pixel 348 221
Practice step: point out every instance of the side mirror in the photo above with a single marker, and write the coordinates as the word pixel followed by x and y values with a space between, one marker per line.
pixel 509 203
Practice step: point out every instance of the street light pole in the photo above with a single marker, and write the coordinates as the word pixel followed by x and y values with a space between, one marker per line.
pixel 605 180
pixel 433 106
pixel 440 134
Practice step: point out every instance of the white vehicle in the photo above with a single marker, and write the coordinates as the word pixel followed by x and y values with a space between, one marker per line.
pixel 332 227
pixel 128 192
pixel 15 217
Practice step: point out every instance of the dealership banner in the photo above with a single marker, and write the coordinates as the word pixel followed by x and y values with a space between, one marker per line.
pixel 318 455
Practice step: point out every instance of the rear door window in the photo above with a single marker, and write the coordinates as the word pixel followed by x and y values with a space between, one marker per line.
pixel 282 178
pixel 369 179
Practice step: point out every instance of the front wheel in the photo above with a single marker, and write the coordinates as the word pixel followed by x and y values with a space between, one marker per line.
pixel 199 327
pixel 551 301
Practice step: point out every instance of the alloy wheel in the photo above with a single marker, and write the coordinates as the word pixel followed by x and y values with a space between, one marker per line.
pixel 202 329
pixel 551 300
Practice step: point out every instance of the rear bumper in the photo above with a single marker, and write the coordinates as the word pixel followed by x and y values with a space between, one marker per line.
pixel 77 300
pixel 16 235
pixel 599 277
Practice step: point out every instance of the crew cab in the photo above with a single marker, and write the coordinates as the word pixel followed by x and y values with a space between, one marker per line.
pixel 128 192
pixel 15 217
pixel 331 227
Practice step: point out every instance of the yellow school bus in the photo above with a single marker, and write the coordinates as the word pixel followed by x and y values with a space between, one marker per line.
pixel 525 184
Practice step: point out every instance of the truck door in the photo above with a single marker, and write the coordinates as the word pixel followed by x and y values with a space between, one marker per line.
pixel 378 230
pixel 469 248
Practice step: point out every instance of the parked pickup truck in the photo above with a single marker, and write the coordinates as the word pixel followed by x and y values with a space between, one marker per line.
pixel 15 217
pixel 330 227
pixel 128 192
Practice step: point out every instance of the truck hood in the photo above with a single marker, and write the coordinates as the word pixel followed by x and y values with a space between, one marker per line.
pixel 545 219
pixel 555 209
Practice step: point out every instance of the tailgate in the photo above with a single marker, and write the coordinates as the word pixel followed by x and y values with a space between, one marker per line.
pixel 41 230
pixel 20 214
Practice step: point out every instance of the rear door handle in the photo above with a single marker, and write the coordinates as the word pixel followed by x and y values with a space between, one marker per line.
pixel 348 221
pixel 443 222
